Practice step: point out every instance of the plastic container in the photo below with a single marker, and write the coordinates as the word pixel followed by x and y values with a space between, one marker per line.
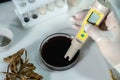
pixel 6 38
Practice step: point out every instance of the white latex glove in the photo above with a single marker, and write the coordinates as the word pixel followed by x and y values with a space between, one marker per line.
pixel 107 41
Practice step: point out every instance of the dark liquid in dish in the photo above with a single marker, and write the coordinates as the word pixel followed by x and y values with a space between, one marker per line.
pixel 4 41
pixel 54 49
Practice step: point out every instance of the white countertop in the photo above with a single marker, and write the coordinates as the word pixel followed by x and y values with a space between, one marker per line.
pixel 90 67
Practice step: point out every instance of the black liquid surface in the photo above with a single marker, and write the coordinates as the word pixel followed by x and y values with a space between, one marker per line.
pixel 34 16
pixel 54 49
pixel 26 19
pixel 4 41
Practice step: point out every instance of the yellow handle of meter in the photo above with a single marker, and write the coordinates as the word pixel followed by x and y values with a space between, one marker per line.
pixel 82 35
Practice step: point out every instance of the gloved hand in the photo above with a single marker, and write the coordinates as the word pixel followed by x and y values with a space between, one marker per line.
pixel 107 41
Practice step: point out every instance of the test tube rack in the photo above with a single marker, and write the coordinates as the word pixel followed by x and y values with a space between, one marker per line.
pixel 31 12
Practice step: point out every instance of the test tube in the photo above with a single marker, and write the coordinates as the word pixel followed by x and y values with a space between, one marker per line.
pixel 51 6
pixel 34 14
pixel 31 1
pixel 26 17
pixel 42 10
pixel 22 3
pixel 59 3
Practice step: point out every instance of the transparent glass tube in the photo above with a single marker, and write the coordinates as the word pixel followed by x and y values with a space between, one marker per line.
pixel 34 14
pixel 31 1
pixel 59 3
pixel 42 10
pixel 51 6
pixel 26 17
pixel 22 3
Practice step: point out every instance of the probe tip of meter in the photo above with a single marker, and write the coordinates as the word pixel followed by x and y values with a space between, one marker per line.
pixel 68 56
pixel 73 49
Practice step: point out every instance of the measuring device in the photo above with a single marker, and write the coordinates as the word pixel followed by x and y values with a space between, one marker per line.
pixel 95 16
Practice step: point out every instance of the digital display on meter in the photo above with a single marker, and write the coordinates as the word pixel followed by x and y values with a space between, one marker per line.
pixel 93 18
